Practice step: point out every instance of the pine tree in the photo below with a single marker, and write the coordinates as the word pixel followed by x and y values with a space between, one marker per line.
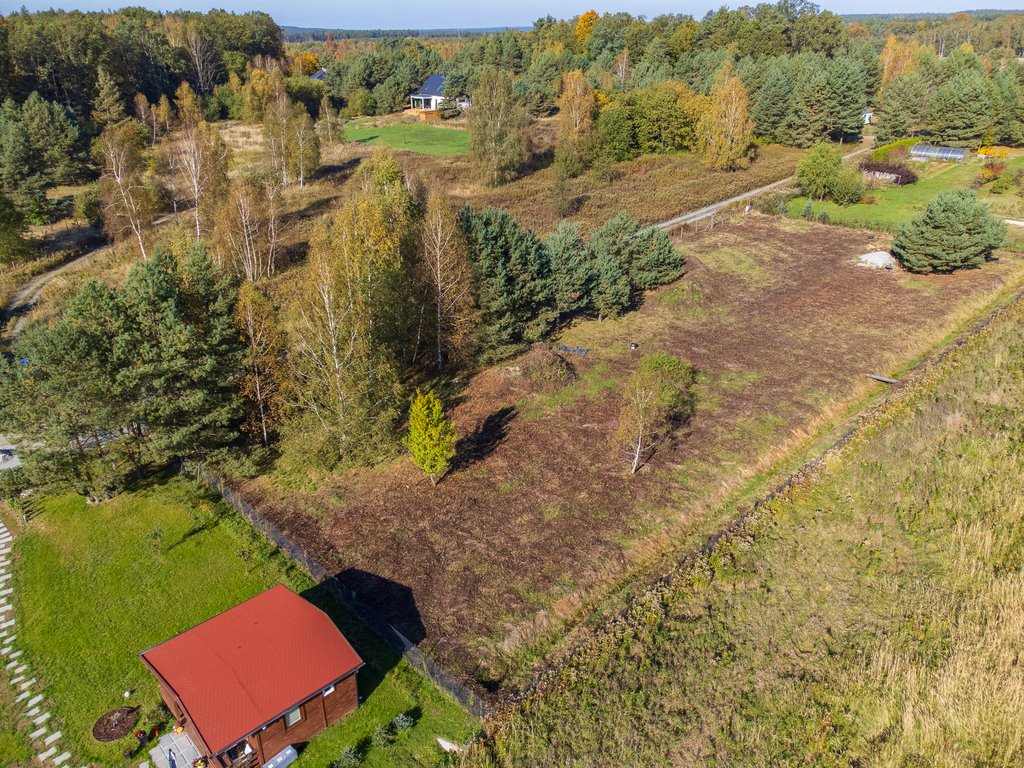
pixel 1009 108
pixel 955 231
pixel 961 111
pixel 772 103
pixel 808 121
pixel 431 437
pixel 13 245
pixel 108 106
pixel 846 98
pixel 902 107
pixel 724 133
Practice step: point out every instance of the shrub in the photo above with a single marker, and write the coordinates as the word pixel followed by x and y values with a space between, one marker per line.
pixel 808 212
pixel 848 187
pixel 382 737
pixel 1006 181
pixel 894 151
pixel 818 171
pixel 992 170
pixel 349 758
pixel 955 231
pixel 87 205
pixel 402 723
pixel 823 217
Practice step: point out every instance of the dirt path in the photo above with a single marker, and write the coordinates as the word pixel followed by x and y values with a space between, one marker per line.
pixel 711 210
pixel 26 297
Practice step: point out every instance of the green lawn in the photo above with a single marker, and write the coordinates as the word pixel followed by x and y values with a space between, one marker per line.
pixel 96 585
pixel 894 204
pixel 413 137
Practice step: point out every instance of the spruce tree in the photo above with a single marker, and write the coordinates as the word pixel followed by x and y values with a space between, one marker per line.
pixel 108 106
pixel 955 231
pixel 772 103
pixel 645 255
pixel 13 245
pixel 513 281
pixel 431 436
pixel 571 271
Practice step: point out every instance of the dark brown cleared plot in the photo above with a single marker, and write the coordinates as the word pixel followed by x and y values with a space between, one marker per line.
pixel 540 511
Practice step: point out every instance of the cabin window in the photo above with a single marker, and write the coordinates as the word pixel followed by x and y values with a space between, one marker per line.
pixel 291 718
pixel 328 690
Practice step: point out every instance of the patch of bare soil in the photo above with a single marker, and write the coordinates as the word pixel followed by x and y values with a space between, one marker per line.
pixel 540 511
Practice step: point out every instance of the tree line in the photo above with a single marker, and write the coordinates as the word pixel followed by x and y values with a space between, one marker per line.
pixel 195 350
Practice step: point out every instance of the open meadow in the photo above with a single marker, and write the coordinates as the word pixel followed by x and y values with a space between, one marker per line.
pixel 872 616
pixel 419 138
pixel 539 517
pixel 98 584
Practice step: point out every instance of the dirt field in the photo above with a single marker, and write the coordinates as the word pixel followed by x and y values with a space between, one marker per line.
pixel 540 514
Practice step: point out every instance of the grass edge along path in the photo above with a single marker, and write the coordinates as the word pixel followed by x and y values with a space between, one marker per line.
pixel 620 634
pixel 130 580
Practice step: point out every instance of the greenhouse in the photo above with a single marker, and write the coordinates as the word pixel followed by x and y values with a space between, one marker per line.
pixel 931 152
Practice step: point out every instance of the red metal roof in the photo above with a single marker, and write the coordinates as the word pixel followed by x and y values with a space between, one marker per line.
pixel 246 667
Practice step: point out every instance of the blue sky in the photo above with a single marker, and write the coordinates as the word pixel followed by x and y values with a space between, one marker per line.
pixel 420 14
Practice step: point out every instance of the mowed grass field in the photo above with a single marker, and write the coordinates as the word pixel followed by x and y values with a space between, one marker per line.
pixel 895 205
pixel 421 138
pixel 875 617
pixel 96 585
pixel 540 518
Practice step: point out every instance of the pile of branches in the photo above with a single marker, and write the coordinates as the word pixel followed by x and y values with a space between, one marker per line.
pixel 900 173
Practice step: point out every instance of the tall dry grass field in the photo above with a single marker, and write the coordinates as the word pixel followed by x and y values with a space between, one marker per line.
pixel 875 617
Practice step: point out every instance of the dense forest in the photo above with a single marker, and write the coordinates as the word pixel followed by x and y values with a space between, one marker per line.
pixel 397 285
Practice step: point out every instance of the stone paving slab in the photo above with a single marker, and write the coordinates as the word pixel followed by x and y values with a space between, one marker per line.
pixel 34 712
pixel 62 758
pixel 37 733
pixel 48 753
pixel 22 696
pixel 42 718
pixel 8 623
pixel 7 591
pixel 52 737
pixel 27 684
pixel 35 700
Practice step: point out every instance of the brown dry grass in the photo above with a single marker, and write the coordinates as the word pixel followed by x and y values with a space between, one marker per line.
pixel 783 328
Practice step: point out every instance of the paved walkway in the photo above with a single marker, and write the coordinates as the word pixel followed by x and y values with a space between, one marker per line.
pixel 27 691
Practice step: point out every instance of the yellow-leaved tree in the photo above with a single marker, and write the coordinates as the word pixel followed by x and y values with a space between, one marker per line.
pixel 584 29
pixel 724 133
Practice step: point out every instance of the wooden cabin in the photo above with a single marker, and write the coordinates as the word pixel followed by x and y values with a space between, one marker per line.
pixel 252 682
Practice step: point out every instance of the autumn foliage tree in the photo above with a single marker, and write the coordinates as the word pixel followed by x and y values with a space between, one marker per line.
pixel 497 126
pixel 449 278
pixel 576 110
pixel 262 361
pixel 248 235
pixel 655 399
pixel 724 132
pixel 126 199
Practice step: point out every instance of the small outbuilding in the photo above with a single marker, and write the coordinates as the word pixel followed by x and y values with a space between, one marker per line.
pixel 943 154
pixel 250 684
